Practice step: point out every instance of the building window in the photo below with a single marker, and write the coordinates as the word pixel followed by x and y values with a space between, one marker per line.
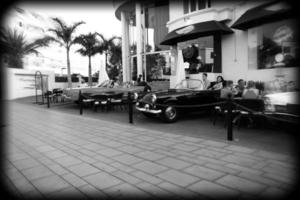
pixel 202 54
pixel 194 5
pixel 273 45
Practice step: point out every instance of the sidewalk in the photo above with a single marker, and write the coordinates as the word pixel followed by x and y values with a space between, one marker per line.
pixel 53 154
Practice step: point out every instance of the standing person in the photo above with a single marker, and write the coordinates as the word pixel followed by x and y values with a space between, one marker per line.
pixel 228 91
pixel 219 84
pixel 240 88
pixel 206 82
pixel 251 92
pixel 139 78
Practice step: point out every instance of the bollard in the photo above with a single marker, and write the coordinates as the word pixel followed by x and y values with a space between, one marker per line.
pixel 229 119
pixel 48 99
pixel 129 97
pixel 80 102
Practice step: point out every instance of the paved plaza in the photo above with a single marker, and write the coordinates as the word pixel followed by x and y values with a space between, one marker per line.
pixel 55 154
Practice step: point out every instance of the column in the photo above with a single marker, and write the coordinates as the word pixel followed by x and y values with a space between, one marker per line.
pixel 139 38
pixel 125 47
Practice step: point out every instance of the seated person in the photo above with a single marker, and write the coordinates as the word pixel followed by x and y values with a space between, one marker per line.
pixel 219 84
pixel 251 92
pixel 205 81
pixel 240 88
pixel 228 91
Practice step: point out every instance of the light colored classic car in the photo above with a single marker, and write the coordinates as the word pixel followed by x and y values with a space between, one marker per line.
pixel 106 86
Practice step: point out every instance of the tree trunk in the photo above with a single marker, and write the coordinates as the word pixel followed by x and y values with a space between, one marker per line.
pixel 69 69
pixel 90 72
pixel 106 64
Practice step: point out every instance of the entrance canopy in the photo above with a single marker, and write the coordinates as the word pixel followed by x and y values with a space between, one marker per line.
pixel 194 31
pixel 263 14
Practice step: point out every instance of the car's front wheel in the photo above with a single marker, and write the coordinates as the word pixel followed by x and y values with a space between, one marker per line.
pixel 169 114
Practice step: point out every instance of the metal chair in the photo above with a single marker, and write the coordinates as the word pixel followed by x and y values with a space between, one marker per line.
pixel 255 106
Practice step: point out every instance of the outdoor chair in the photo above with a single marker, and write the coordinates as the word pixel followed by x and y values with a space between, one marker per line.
pixel 87 100
pixel 100 100
pixel 50 94
pixel 221 111
pixel 116 101
pixel 57 93
pixel 257 105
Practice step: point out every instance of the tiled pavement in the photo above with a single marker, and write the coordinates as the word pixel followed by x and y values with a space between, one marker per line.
pixel 53 154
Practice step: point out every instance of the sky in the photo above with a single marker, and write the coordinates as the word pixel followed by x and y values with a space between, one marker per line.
pixel 98 16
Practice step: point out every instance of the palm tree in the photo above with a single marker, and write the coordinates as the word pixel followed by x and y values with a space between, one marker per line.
pixel 16 47
pixel 89 45
pixel 109 47
pixel 64 36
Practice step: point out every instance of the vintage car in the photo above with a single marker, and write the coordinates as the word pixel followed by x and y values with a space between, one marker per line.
pixel 106 87
pixel 283 105
pixel 169 104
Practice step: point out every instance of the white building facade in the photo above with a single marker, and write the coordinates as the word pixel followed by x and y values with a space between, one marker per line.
pixel 250 40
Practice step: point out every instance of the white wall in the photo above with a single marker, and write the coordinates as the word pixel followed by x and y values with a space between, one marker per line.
pixel 21 82
pixel 175 9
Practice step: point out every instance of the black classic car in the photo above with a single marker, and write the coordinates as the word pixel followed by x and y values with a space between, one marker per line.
pixel 185 97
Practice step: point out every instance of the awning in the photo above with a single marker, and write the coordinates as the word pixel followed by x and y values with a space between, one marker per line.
pixel 194 31
pixel 263 14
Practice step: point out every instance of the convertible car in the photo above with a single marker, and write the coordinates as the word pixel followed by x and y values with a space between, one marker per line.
pixel 106 87
pixel 169 104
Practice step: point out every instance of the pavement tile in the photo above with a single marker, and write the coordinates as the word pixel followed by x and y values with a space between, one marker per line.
pixel 149 155
pixel 244 169
pixel 221 168
pixel 173 163
pixel 178 178
pixel 209 153
pixel 102 180
pixel 241 184
pixel 178 191
pixel 213 190
pixel 37 172
pixel 273 193
pixel 13 173
pixel 74 180
pixel 109 152
pixel 127 159
pixel 67 161
pixel 185 147
pixel 163 142
pixel 203 172
pixel 83 169
pixel 104 167
pixel 130 149
pixel 26 163
pixel 126 177
pixel 155 191
pixel 59 170
pixel 146 177
pixel 50 184
pixel 126 190
pixel 280 177
pixel 239 149
pixel 122 167
pixel 215 143
pixel 239 160
pixel 92 193
pixel 69 193
pixel 271 155
pixel 23 185
pixel 260 179
pixel 150 167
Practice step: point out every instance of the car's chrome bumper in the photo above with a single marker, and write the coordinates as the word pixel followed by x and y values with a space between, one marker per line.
pixel 148 110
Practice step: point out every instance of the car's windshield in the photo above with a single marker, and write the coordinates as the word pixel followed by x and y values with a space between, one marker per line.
pixel 104 83
pixel 193 84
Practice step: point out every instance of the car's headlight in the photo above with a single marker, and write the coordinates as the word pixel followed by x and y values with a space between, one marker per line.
pixel 153 98
pixel 135 96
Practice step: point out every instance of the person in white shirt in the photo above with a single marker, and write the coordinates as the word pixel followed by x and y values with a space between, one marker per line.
pixel 206 82
pixel 251 92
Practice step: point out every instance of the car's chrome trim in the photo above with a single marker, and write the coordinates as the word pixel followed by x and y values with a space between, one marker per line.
pixel 148 110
